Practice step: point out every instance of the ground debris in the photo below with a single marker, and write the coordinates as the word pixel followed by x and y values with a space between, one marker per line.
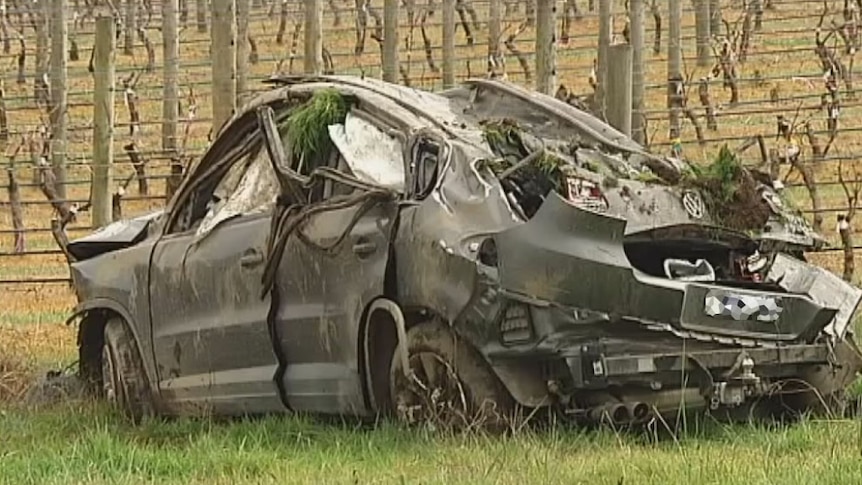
pixel 55 387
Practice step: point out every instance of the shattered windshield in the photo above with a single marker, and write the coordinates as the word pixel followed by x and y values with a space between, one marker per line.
pixel 248 188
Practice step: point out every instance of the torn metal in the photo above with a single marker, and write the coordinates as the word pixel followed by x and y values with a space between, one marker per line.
pixel 307 257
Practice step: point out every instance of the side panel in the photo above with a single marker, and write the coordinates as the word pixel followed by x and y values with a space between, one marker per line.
pixel 323 296
pixel 210 335
pixel 118 281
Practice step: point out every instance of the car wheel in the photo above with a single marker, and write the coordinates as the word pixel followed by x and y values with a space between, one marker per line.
pixel 450 385
pixel 124 383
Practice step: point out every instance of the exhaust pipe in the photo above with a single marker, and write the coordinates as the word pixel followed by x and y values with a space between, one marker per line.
pixel 616 413
pixel 638 410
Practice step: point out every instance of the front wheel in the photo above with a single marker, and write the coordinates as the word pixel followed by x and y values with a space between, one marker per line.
pixel 124 383
pixel 449 386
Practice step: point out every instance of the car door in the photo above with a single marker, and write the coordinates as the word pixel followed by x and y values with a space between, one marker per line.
pixel 324 294
pixel 211 341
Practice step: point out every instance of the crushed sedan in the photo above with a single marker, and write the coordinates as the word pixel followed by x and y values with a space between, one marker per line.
pixel 352 247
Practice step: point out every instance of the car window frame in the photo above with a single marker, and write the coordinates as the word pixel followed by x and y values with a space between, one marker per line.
pixel 195 179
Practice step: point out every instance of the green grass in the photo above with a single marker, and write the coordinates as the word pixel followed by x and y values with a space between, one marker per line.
pixel 89 445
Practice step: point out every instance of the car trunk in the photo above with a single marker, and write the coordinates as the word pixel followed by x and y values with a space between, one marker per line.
pixel 580 258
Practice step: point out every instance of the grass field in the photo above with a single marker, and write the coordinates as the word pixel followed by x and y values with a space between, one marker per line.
pixel 83 443
pixel 87 445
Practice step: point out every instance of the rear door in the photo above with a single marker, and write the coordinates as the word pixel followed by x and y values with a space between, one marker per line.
pixel 211 340
pixel 325 295
pixel 334 266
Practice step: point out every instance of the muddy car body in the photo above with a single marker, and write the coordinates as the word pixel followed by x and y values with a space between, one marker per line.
pixel 400 266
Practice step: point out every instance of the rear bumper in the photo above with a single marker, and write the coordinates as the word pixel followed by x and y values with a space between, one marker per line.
pixel 578 358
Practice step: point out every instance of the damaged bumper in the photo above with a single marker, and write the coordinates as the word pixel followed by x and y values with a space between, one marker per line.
pixel 575 258
pixel 572 301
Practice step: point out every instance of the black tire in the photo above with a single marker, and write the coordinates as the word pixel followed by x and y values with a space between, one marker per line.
pixel 124 382
pixel 464 392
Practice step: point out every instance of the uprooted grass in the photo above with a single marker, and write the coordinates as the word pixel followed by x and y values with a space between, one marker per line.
pixel 28 351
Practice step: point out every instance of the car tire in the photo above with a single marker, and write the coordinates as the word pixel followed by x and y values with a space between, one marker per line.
pixel 452 386
pixel 124 383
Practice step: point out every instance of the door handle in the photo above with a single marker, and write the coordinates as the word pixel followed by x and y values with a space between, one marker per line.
pixel 251 258
pixel 364 247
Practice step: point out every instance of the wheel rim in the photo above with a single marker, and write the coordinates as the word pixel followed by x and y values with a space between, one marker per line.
pixel 109 378
pixel 432 393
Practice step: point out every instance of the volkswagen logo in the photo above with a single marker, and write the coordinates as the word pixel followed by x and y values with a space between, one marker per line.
pixel 693 203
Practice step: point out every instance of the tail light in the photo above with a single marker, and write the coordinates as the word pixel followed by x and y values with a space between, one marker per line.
pixel 585 194
pixel 515 326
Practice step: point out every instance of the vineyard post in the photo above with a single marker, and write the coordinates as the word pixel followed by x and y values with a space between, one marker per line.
pixel 131 7
pixel 674 66
pixel 637 38
pixel 605 13
pixel 620 87
pixel 223 34
pixel 40 90
pixel 448 43
pixel 201 10
pixel 59 108
pixel 313 36
pixel 714 17
pixel 546 55
pixel 103 121
pixel 243 8
pixel 703 33
pixel 390 41
pixel 495 33
pixel 171 91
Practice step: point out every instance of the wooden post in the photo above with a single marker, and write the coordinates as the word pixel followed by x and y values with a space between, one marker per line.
pixel 201 11
pixel 313 36
pixel 171 91
pixel 715 17
pixel 129 27
pixel 40 89
pixel 224 61
pixel 495 33
pixel 448 43
pixel 546 54
pixel 390 41
pixel 702 33
pixel 620 88
pixel 605 13
pixel 674 65
pixel 243 10
pixel 638 66
pixel 103 121
pixel 59 103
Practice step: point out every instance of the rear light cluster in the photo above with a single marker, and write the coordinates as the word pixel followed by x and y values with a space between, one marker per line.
pixel 515 326
pixel 752 267
pixel 585 194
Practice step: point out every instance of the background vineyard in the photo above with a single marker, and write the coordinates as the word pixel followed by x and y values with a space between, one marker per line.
pixel 780 75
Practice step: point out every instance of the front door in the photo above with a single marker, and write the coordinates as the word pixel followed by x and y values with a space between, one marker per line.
pixel 212 344
pixel 211 340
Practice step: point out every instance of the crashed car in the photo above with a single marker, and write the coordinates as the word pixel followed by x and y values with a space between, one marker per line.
pixel 348 246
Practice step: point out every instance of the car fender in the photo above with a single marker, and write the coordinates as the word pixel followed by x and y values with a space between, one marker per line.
pixel 101 303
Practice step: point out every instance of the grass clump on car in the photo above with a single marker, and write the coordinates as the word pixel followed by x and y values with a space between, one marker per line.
pixel 308 125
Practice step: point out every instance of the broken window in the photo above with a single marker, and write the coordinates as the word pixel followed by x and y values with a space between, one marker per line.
pixel 370 154
pixel 250 187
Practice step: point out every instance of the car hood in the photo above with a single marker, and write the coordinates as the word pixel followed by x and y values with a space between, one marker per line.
pixel 114 236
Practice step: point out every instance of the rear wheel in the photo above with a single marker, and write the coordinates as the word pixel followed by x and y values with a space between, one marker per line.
pixel 450 385
pixel 124 383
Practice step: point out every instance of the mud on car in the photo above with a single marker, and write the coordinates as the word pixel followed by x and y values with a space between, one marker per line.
pixel 348 246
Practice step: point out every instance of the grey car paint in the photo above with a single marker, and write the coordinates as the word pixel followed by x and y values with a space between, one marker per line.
pixel 208 339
